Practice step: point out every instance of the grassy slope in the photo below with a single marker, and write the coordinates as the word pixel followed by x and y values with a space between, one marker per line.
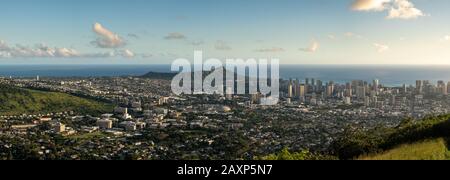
pixel 425 150
pixel 16 101
pixel 415 136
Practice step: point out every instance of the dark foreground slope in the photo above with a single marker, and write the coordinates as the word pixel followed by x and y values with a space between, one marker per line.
pixel 423 139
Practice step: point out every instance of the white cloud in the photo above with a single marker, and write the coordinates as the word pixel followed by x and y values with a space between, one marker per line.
pixel 107 38
pixel 175 36
pixel 270 50
pixel 398 9
pixel 403 9
pixel 370 5
pixel 381 47
pixel 5 55
pixel 117 53
pixel 66 52
pixel 3 46
pixel 127 53
pixel 312 48
pixel 100 55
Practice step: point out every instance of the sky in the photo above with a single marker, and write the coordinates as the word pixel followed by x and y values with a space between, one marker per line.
pixel 160 31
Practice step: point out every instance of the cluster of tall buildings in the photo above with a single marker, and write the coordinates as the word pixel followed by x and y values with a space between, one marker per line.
pixel 425 87
pixel 308 90
pixel 299 90
pixel 359 88
pixel 311 90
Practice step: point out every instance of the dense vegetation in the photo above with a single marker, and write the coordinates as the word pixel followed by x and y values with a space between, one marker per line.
pixel 17 101
pixel 356 142
pixel 435 149
pixel 285 154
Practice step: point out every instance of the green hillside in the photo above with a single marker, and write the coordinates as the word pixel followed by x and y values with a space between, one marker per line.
pixel 435 149
pixel 411 140
pixel 17 101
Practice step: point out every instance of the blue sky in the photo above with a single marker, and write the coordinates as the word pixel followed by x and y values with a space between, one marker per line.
pixel 159 31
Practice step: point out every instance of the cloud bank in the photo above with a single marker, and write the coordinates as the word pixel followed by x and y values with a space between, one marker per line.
pixel 44 51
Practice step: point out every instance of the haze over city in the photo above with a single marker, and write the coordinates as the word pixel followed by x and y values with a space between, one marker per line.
pixel 157 32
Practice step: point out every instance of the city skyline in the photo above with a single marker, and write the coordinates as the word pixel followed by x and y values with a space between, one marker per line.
pixel 409 32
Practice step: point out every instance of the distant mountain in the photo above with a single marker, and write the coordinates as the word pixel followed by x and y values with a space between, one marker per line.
pixel 165 75
pixel 17 101
pixel 159 75
pixel 170 76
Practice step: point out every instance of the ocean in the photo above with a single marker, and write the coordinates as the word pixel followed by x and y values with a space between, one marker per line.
pixel 387 74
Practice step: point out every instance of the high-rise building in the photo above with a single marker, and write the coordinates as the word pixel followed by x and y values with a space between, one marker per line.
pixel 330 89
pixel 319 86
pixel 301 91
pixel 374 101
pixel 376 85
pixel 442 88
pixel 290 90
pixel 295 87
pixel 393 97
pixel 360 92
pixel 366 101
pixel 348 90
pixel 356 83
pixel 419 87
pixel 426 86
pixel 448 88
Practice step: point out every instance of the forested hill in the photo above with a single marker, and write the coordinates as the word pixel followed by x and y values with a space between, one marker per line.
pixel 17 101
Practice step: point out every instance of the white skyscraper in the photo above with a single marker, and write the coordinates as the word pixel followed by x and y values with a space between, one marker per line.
pixel 376 85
